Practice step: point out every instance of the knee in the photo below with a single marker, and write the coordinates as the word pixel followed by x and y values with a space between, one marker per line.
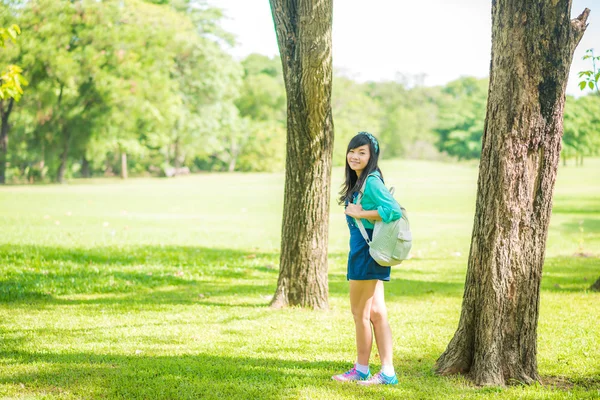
pixel 360 316
pixel 378 315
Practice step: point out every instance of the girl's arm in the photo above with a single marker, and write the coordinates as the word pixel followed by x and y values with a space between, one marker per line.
pixel 387 208
pixel 356 211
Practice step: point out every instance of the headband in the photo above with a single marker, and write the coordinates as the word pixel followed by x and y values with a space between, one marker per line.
pixel 372 139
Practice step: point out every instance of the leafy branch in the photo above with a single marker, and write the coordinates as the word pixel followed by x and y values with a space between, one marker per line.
pixel 11 81
pixel 590 78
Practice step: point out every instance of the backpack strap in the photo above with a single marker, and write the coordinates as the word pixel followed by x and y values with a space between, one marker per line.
pixel 359 223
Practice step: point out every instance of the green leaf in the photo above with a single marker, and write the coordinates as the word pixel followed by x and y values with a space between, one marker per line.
pixel 582 85
pixel 591 85
pixel 12 33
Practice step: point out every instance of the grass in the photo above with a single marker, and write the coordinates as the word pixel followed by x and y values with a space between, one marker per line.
pixel 157 288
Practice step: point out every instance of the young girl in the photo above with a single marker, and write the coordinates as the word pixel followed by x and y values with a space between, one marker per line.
pixel 365 275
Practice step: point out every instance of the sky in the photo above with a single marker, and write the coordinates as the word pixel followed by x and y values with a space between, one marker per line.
pixel 378 40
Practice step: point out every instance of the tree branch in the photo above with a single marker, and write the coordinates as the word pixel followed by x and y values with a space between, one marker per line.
pixel 580 24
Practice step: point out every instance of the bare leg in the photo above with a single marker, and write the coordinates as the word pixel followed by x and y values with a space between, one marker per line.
pixel 361 297
pixel 381 326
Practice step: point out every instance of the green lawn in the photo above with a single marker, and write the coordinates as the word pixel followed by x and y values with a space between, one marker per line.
pixel 158 289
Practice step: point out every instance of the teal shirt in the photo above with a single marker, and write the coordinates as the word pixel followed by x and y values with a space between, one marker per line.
pixel 378 197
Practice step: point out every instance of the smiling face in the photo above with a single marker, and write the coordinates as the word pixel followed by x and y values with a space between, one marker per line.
pixel 358 158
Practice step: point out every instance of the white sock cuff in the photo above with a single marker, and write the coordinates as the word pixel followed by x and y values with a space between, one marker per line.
pixel 388 370
pixel 363 369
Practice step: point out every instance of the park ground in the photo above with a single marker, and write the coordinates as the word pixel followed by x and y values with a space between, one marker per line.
pixel 159 289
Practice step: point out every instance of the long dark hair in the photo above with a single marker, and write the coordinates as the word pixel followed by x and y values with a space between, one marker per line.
pixel 353 183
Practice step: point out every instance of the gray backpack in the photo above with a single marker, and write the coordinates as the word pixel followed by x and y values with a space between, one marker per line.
pixel 391 241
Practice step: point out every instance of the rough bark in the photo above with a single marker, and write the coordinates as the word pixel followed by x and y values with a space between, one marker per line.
pixel 596 286
pixel 4 129
pixel 303 30
pixel 532 49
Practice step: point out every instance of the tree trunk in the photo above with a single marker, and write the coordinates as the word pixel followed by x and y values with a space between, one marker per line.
pixel 232 163
pixel 596 286
pixel 42 163
pixel 85 168
pixel 4 128
pixel 303 30
pixel 60 174
pixel 123 165
pixel 177 156
pixel 532 50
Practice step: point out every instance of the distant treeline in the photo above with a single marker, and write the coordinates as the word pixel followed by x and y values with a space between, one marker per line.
pixel 147 87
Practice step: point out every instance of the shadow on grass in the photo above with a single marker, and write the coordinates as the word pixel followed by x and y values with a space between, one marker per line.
pixel 184 377
pixel 398 287
pixel 163 377
pixel 160 275
pixel 157 275
pixel 570 274
pixel 589 225
pixel 208 376
pixel 147 274
pixel 578 205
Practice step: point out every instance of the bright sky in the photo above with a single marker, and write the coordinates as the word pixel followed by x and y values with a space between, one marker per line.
pixel 377 39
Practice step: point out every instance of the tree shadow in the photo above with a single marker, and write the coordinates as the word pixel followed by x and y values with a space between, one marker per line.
pixel 570 274
pixel 164 377
pixel 210 376
pixel 397 287
pixel 155 275
pixel 588 225
pixel 577 205
pixel 140 274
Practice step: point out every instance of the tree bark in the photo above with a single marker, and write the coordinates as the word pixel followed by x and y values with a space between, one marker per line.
pixel 532 49
pixel 303 30
pixel 4 129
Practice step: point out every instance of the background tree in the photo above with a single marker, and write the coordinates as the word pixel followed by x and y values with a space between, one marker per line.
pixel 582 128
pixel 461 116
pixel 532 49
pixel 354 110
pixel 590 79
pixel 303 30
pixel 407 115
pixel 11 82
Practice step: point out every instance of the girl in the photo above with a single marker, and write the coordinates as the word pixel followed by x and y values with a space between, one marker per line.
pixel 365 275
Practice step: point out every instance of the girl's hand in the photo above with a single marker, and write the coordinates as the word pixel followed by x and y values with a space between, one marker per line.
pixel 354 210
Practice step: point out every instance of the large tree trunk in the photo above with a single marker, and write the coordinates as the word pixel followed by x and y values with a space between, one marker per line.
pixel 304 36
pixel 532 49
pixel 4 128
